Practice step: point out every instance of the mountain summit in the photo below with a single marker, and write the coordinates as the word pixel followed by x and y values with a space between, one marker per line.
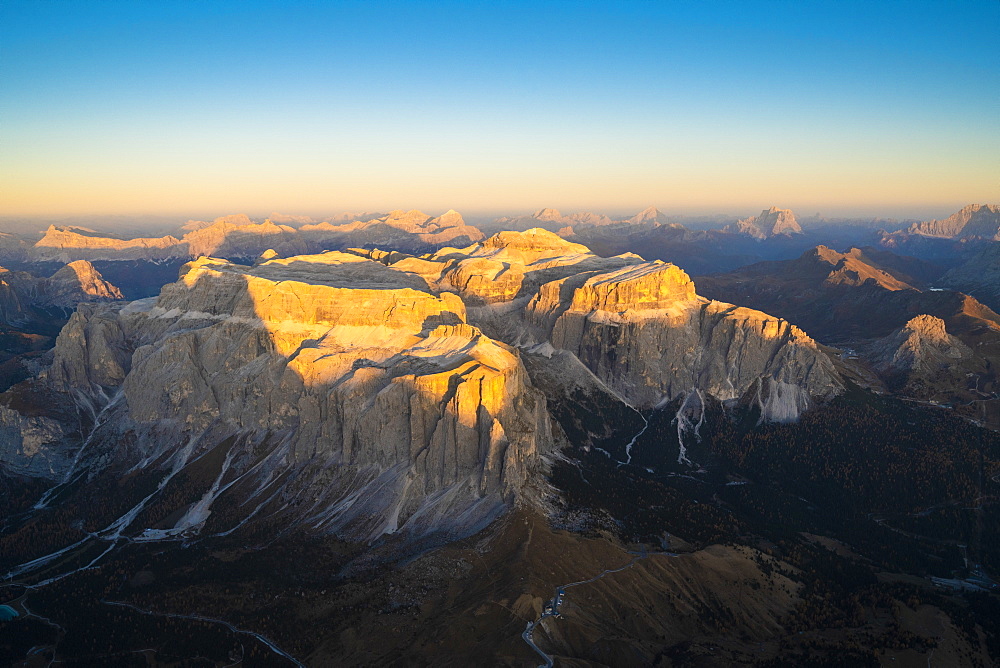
pixel 770 223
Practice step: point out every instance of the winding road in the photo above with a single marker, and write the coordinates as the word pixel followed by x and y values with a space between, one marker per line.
pixel 266 641
pixel 551 608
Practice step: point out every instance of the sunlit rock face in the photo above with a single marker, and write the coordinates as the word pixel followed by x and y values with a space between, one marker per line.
pixel 920 346
pixel 237 236
pixel 639 326
pixel 77 243
pixel 975 221
pixel 771 222
pixel 77 282
pixel 370 396
pixel 372 391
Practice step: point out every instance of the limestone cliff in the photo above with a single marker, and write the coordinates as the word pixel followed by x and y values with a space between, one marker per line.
pixel 921 346
pixel 639 326
pixel 646 334
pixel 370 397
pixel 77 282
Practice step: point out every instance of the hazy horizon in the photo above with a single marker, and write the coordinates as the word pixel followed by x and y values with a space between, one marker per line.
pixel 111 221
pixel 850 109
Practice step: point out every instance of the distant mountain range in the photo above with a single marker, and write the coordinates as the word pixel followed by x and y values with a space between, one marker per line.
pixel 388 438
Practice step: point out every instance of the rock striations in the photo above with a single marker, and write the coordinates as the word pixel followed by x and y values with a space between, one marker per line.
pixel 370 392
pixel 639 326
pixel 922 345
pixel 77 282
pixel 370 397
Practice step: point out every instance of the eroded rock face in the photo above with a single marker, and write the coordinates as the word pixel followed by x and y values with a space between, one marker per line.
pixel 921 346
pixel 645 333
pixel 77 282
pixel 372 392
pixel 384 408
pixel 37 446
pixel 639 326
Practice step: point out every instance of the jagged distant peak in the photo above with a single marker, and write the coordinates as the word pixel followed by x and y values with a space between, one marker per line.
pixel 234 219
pixel 980 221
pixel 771 222
pixel 77 282
pixel 648 215
pixel 547 214
pixel 449 217
pixel 922 344
pixel 535 238
pixel 287 218
pixel 413 216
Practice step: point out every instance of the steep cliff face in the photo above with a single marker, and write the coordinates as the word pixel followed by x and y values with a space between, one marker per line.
pixel 373 403
pixel 639 326
pixel 13 306
pixel 644 332
pixel 921 346
pixel 926 361
pixel 975 221
pixel 77 282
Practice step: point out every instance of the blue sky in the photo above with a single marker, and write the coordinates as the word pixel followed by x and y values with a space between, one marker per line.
pixel 202 108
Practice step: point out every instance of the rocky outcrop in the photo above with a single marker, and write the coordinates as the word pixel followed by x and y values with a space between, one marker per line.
pixel 975 221
pixel 384 408
pixel 35 445
pixel 646 334
pixel 924 360
pixel 639 326
pixel 921 346
pixel 771 222
pixel 92 350
pixel 77 282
